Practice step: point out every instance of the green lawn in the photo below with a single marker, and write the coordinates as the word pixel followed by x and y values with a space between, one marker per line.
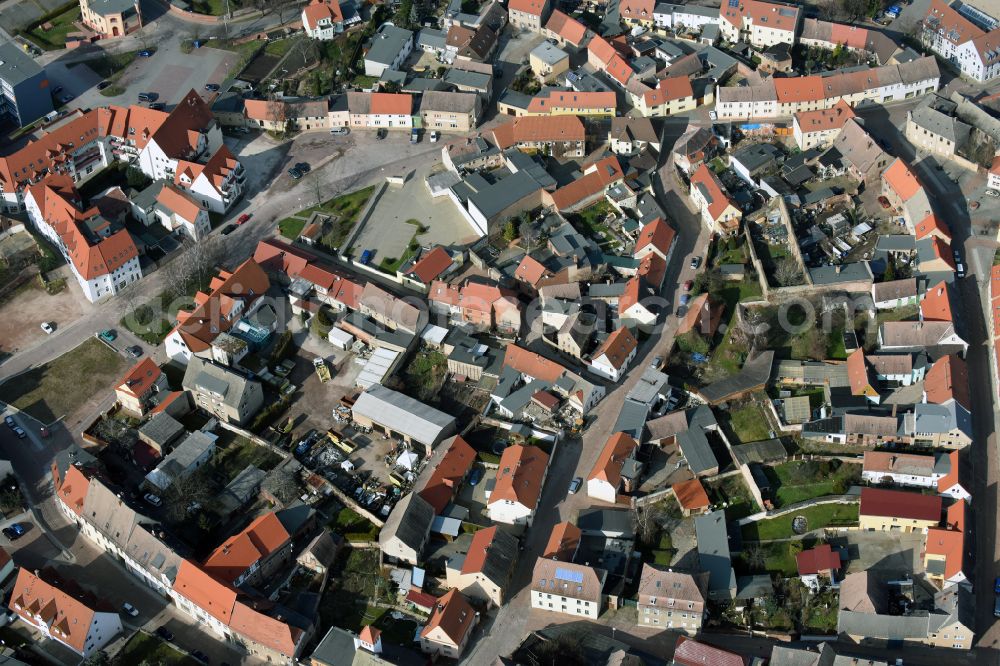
pixel 55 37
pixel 591 219
pixel 749 423
pixel 210 7
pixel 61 386
pixel 111 67
pixel 291 227
pixel 820 613
pixel 145 648
pixel 731 490
pixel 234 458
pixel 798 481
pixel 144 322
pixel 356 580
pixel 279 47
pixel 823 515
pixel 354 526
pixel 905 313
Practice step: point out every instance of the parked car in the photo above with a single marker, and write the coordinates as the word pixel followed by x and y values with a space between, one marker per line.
pixel 103 84
pixel 884 203
pixel 366 257
pixel 434 136
pixel 243 219
pixel 212 87
pixel 685 299
pixel 228 229
pixel 147 96
pixel 130 610
pixel 992 193
pixel 108 335
pixel 996 585
pixel 381 134
pixel 15 531
pixel 66 99
pixel 303 167
pixel 414 135
pixel 165 633
pixel 152 499
pixel 960 270
pixel 158 106
pixel 48 327
pixel 575 484
pixel 695 262
pixel 200 656
pixel 135 351
pixel 294 173
pixel 996 607
pixel 57 90
pixel 476 476
pixel 146 53
pixel 9 420
pixel 657 362
pixel 19 431
pixel 688 285
pixel 340 131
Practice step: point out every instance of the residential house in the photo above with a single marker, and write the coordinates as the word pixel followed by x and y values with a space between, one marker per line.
pixel 173 208
pixel 714 556
pixel 817 564
pixel 484 572
pixel 904 469
pixel 563 542
pixel 631 136
pixel 70 619
pixel 945 551
pixel 528 15
pixel 612 358
pixel 762 24
pixel 671 95
pixel 829 36
pixel 557 101
pixel 632 310
pixel 616 469
pixel 520 477
pixel 957 37
pixel 818 129
pixel 380 110
pixel 860 377
pixel 691 497
pixel 703 316
pixel 560 135
pixel 227 394
pixel 448 470
pixel 693 148
pixel 548 62
pixel 111 18
pixel 689 652
pixel 194 451
pixel 565 29
pixel 284 115
pixel 565 587
pixel 597 180
pixel 719 213
pixel 945 426
pixel 898 511
pixel 895 293
pixel 688 429
pixel 137 388
pixel 450 111
pixel 323 19
pixel 915 336
pixel 389 49
pixel 407 529
pixel 671 600
pixel 450 626
pixel 232 297
pixel 254 555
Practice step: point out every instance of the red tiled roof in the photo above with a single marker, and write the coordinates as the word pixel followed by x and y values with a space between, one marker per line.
pixel 478 548
pixel 658 234
pixel 448 474
pixel 636 9
pixel 431 265
pixel 595 179
pixel 534 129
pixel 618 69
pixel 531 364
pixel 815 560
pixel 950 479
pixel 929 225
pixel 69 619
pixel 948 379
pixel 669 89
pixel 689 652
pixel 140 377
pixel 556 99
pixel 563 542
pixel 265 630
pixel 520 475
pixel 617 347
pixel 533 7
pixel 73 489
pixel 453 615
pixel 719 200
pixel 179 202
pixel 566 27
pixel 901 180
pixel 397 104
pixel 608 466
pixel 630 296
pixel 936 305
pixel 256 542
pixel 530 270
pixel 205 592
pixel 900 504
pixel 948 541
pixel 317 10
pixel 822 120
pixel 601 49
pixel 691 495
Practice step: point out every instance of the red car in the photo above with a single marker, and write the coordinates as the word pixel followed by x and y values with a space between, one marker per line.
pixel 243 218
pixel 688 285
pixel 884 202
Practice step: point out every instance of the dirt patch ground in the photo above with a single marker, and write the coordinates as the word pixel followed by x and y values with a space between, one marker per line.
pixel 22 314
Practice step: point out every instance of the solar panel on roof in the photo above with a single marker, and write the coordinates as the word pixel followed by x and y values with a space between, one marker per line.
pixel 572 576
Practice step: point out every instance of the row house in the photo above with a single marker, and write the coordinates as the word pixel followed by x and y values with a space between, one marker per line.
pixel 671 95
pixel 558 101
pixel 671 600
pixel 828 35
pixel 615 470
pixel 762 24
pixel 718 211
pixel 885 510
pixel 558 136
pixel 380 110
pixel 530 15
pixel 520 478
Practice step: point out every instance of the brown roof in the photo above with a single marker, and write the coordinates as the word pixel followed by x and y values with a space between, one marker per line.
pixel 587 582
pixel 658 234
pixel 857 374
pixel 718 200
pixel 703 313
pixel 431 265
pixel 535 129
pixel 617 347
pixel 179 202
pixel 265 630
pixel 936 304
pixel 566 27
pixel 889 462
pixel 448 473
pixel 453 615
pixel 534 7
pixel 690 652
pixel 530 270
pixel 215 598
pixel 594 180
pixel 900 504
pixel 563 542
pixel 948 379
pixel 658 587
pixel 140 377
pixel 865 424
pixel 815 560
pixel 520 475
pixel 822 120
pixel 691 494
pixel 256 542
pixel 608 466
pixel 69 619
pixel 531 364
pixel 317 10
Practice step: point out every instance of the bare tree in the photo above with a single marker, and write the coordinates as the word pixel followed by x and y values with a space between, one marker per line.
pixel 529 235
pixel 787 272
pixel 754 556
pixel 278 114
pixel 647 520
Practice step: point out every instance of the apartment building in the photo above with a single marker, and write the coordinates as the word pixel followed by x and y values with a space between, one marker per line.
pixel 671 600
pixel 25 94
pixel 568 588
pixel 972 49
pixel 111 18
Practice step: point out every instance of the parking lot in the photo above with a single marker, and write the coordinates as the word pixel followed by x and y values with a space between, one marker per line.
pixel 388 231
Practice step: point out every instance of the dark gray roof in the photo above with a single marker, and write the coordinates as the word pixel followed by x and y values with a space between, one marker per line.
pixel 757 156
pixel 161 429
pixel 295 516
pixel 493 198
pixel 112 7
pixel 466 79
pixel 754 587
pixel 755 373
pixel 410 522
pixel 500 557
pixel 16 66
pixel 766 451
pixel 857 271
pixel 694 443
pixel 387 43
pixel 713 552
pixel 218 379
pixel 606 522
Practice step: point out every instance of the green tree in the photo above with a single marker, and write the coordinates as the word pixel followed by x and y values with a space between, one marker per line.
pixel 890 270
pixel 320 325
pixel 509 232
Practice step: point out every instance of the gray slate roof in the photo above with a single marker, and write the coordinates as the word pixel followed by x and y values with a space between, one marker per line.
pixel 409 521
pixel 403 414
pixel 713 552
pixel 387 43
